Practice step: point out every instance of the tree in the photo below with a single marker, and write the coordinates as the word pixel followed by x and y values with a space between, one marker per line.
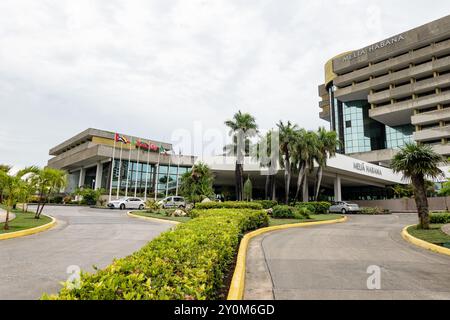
pixel 47 181
pixel 248 190
pixel 13 187
pixel 242 127
pixel 6 168
pixel 417 163
pixel 197 184
pixel 268 158
pixel 304 149
pixel 288 134
pixel 327 144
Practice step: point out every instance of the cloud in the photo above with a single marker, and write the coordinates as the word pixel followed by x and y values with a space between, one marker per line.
pixel 149 67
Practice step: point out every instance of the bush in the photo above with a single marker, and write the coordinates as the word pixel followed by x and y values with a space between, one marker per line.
pixel 67 200
pixel 283 212
pixel 89 196
pixel 304 213
pixel 152 205
pixel 374 211
pixel 440 218
pixel 188 263
pixel 267 204
pixel 228 205
pixel 57 200
pixel 315 207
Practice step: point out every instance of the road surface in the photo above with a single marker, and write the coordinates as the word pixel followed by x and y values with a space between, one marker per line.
pixel 83 237
pixel 331 262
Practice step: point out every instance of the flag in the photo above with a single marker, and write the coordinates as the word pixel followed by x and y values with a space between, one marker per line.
pixel 120 138
pixel 163 151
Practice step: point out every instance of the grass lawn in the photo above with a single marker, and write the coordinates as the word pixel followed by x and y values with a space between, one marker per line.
pixel 314 218
pixel 160 216
pixel 435 235
pixel 23 221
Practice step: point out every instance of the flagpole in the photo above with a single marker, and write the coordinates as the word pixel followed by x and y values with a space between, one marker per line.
pixel 138 150
pixel 113 162
pixel 178 171
pixel 128 170
pixel 146 175
pixel 168 177
pixel 120 170
pixel 157 173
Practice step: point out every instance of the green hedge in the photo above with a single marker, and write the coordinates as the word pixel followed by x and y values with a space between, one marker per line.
pixel 315 207
pixel 190 262
pixel 228 205
pixel 267 204
pixel 287 212
pixel 440 218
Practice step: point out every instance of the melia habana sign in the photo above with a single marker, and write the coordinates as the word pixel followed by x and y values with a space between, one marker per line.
pixel 361 166
pixel 374 47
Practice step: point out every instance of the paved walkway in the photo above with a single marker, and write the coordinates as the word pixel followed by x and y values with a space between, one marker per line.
pixel 446 229
pixel 331 262
pixel 83 237
pixel 12 216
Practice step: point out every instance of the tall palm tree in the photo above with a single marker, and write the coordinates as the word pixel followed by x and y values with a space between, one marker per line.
pixel 6 168
pixel 304 150
pixel 328 143
pixel 242 127
pixel 268 159
pixel 288 136
pixel 419 162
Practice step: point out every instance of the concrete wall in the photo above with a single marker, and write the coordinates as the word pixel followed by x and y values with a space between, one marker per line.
pixel 406 205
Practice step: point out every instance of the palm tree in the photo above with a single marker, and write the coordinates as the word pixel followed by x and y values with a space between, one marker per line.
pixel 304 149
pixel 47 181
pixel 419 162
pixel 288 135
pixel 242 127
pixel 328 143
pixel 268 159
pixel 5 168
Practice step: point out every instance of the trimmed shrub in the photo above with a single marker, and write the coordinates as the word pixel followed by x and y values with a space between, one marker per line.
pixel 267 204
pixel 315 207
pixel 228 205
pixel 374 211
pixel 283 212
pixel 304 213
pixel 440 218
pixel 190 262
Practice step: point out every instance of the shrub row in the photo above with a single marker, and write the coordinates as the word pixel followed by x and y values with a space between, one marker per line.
pixel 374 211
pixel 315 207
pixel 188 263
pixel 287 212
pixel 228 205
pixel 267 204
pixel 440 218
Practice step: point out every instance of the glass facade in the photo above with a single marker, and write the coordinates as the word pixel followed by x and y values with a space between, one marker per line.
pixel 397 137
pixel 164 179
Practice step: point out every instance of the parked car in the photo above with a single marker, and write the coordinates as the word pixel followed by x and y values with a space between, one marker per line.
pixel 173 202
pixel 127 203
pixel 344 207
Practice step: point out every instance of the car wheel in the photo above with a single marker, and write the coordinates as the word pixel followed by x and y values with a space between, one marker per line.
pixel 122 206
pixel 141 207
pixel 344 211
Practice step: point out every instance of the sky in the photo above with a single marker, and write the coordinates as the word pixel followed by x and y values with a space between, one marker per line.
pixel 164 68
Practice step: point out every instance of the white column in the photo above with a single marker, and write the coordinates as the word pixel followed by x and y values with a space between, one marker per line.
pixel 337 189
pixel 306 190
pixel 98 176
pixel 82 176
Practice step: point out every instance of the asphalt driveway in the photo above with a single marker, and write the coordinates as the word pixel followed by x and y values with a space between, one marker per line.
pixel 84 237
pixel 331 262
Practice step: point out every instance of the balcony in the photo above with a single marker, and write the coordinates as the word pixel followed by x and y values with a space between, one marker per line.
pixel 431 117
pixel 432 134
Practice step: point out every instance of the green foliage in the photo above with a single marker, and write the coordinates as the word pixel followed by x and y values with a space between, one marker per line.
pixel 90 196
pixel 284 212
pixel 248 190
pixel 315 207
pixel 374 211
pixel 197 184
pixel 152 205
pixel 267 204
pixel 67 200
pixel 188 263
pixel 304 213
pixel 228 205
pixel 440 218
pixel 403 191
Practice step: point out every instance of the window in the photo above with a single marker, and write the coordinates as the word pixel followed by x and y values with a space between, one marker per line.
pixel 348 124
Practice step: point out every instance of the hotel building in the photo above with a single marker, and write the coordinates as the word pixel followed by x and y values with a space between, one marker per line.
pixel 382 96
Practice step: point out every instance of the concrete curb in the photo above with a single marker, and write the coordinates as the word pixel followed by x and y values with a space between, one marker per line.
pixel 423 244
pixel 237 286
pixel 29 232
pixel 130 214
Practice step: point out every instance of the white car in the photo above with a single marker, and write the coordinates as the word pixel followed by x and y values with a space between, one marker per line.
pixel 344 207
pixel 127 203
pixel 173 202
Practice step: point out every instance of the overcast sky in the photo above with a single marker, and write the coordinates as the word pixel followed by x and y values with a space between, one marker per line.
pixel 149 67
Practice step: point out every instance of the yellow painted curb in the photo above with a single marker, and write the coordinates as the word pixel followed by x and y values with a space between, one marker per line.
pixel 130 214
pixel 237 286
pixel 29 232
pixel 423 244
